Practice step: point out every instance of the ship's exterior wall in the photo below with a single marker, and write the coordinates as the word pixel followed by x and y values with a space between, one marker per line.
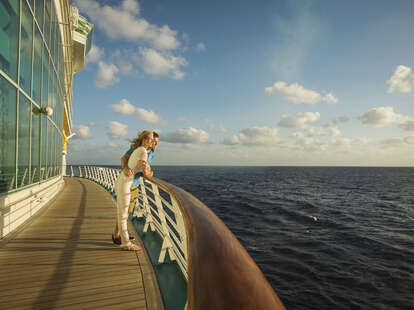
pixel 36 77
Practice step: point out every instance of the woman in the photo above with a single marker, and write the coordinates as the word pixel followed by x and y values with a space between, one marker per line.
pixel 137 162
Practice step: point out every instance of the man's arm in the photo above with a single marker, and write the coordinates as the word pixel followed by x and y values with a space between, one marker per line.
pixel 124 164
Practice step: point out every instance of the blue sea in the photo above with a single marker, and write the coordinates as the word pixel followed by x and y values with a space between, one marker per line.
pixel 324 237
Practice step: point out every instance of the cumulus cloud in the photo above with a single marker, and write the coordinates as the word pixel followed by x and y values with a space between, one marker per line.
pixel 303 120
pixel 407 125
pixel 116 129
pixel 187 136
pixel 253 136
pixel 125 108
pixel 200 47
pixel 161 64
pixel 106 75
pixel 409 140
pixel 94 54
pixel 124 21
pixel 112 145
pixel 81 132
pixel 393 142
pixel 298 94
pixel 223 129
pixel 210 124
pixel 380 117
pixel 401 81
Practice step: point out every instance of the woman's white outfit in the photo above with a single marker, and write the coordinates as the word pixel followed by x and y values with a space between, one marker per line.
pixel 123 193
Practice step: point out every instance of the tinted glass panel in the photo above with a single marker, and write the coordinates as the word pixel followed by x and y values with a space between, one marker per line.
pixel 7 135
pixel 37 66
pixel 43 147
pixel 39 13
pixel 45 79
pixel 26 48
pixel 35 146
pixel 9 29
pixel 23 155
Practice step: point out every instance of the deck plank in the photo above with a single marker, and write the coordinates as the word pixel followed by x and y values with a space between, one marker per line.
pixel 65 258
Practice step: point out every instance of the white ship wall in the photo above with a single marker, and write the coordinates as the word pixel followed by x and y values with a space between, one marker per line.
pixel 17 208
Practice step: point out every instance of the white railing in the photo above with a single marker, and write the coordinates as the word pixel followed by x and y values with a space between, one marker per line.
pixel 158 207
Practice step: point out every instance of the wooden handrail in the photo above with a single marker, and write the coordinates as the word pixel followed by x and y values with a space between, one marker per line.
pixel 221 274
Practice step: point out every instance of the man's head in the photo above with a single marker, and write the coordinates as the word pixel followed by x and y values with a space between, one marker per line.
pixel 155 141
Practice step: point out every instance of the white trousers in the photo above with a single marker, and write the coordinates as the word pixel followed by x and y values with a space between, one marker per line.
pixel 123 196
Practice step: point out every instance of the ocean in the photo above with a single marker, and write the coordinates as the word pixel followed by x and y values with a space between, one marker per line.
pixel 324 237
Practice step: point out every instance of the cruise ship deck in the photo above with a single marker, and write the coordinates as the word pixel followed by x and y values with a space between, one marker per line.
pixel 64 258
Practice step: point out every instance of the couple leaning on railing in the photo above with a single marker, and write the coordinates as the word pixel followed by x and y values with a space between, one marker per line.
pixel 135 163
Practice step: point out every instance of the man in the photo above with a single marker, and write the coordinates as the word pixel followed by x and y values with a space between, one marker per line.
pixel 135 183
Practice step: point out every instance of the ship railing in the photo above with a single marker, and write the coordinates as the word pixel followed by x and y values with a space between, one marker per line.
pixel 220 273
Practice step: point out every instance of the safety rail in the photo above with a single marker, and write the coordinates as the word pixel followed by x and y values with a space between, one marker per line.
pixel 220 273
pixel 160 210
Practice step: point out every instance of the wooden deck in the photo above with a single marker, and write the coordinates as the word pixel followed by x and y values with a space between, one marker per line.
pixel 65 259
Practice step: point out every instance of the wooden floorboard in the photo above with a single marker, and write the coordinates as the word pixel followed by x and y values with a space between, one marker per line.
pixel 65 258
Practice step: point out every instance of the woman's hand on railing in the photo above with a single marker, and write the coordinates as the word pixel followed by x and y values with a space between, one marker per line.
pixel 128 172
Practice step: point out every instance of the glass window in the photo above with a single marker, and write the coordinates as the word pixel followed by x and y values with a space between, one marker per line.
pixel 31 2
pixel 7 135
pixel 23 151
pixel 9 30
pixel 35 146
pixel 45 62
pixel 37 66
pixel 43 147
pixel 50 157
pixel 58 152
pixel 50 88
pixel 46 30
pixel 26 48
pixel 39 13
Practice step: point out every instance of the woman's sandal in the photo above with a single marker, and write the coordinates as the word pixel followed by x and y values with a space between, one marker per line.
pixel 132 247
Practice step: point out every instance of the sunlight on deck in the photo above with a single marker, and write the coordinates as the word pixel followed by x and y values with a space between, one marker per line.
pixel 65 258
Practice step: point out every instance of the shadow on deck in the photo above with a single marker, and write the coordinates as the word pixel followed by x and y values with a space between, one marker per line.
pixel 65 258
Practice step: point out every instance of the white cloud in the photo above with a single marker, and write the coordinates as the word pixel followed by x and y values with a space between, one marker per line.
pixel 124 22
pixel 82 132
pixel 298 94
pixel 401 81
pixel 409 140
pixel 125 108
pixel 113 145
pixel 95 54
pixel 303 120
pixel 253 136
pixel 393 142
pixel 407 125
pixel 210 124
pixel 116 129
pixel 200 47
pixel 379 117
pixel 125 67
pixel 332 127
pixel 187 136
pixel 161 64
pixel 106 75
pixel 342 142
pixel 149 116
pixel 223 129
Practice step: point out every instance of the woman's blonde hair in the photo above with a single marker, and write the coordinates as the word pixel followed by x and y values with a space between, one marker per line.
pixel 138 141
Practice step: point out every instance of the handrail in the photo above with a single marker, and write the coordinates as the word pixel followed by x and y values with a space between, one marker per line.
pixel 219 271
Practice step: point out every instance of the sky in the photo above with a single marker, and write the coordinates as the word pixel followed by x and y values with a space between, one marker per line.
pixel 268 83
